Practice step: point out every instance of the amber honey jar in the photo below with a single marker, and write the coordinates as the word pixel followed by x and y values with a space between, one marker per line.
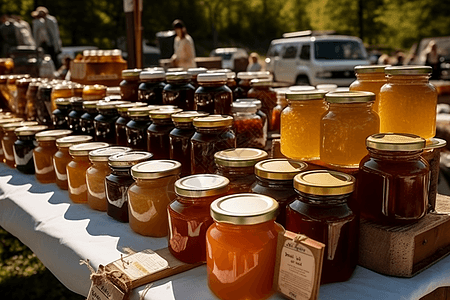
pixel 21 99
pixel 61 91
pixel 344 128
pixel 121 122
pixel 432 154
pixel 213 95
pixel 259 112
pixel 179 91
pixel 262 90
pixel 77 89
pixel 158 141
pixel 190 212
pixel 136 128
pixel 248 126
pixel 151 87
pixel 105 121
pixel 77 167
pixel 94 92
pixel 87 119
pixel 129 85
pixel 241 246
pixel 408 101
pixel 320 211
pixel 238 165
pixel 23 147
pixel 282 103
pixel 74 116
pixel 119 180
pixel 2 133
pixel 9 137
pixel 393 179
pixel 32 92
pixel 96 174
pixel 61 113
pixel 43 153
pixel 300 124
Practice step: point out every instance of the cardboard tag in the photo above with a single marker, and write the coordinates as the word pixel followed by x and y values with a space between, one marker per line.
pixel 105 291
pixel 298 266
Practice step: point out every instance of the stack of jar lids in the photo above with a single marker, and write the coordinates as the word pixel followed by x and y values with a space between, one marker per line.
pixel 84 148
pixel 103 154
pixel 212 77
pixel 188 116
pixel 131 74
pixel 29 130
pixel 201 185
pixel 349 97
pixel 324 182
pixel 52 135
pixel 305 95
pixel 395 142
pixel 154 169
pixel 279 168
pixel 128 159
pixel 152 75
pixel 174 76
pixel 68 141
pixel 213 121
pixel 239 157
pixel 164 113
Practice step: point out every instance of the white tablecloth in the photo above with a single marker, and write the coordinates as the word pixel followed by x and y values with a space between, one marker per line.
pixel 61 234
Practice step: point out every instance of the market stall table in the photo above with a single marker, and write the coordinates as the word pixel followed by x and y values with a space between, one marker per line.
pixel 61 234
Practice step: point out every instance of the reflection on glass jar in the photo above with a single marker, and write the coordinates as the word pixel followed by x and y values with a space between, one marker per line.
pixel 158 141
pixel 9 137
pixel 178 91
pixel 136 128
pixel 121 122
pixel 104 122
pixel 151 87
pixel 213 96
pixel 23 147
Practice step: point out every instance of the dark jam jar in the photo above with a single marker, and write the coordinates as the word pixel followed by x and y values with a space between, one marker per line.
pixel 151 87
pixel 213 133
pixel 249 127
pixel 194 72
pixel 105 121
pixel 44 104
pixel 178 91
pixel 129 86
pixel 393 179
pixel 87 119
pixel 320 211
pixel 213 96
pixel 238 165
pixel 23 147
pixel 118 182
pixel 60 114
pixel 262 90
pixel 136 129
pixel 121 122
pixel 158 141
pixel 74 116
pixel 275 178
pixel 180 138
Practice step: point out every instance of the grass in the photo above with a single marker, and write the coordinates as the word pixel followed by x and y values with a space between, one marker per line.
pixel 23 276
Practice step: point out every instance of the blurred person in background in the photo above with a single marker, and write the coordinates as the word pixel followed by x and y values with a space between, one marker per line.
pixel 254 65
pixel 383 59
pixel 64 71
pixel 400 59
pixel 432 58
pixel 184 49
pixel 8 37
pixel 23 31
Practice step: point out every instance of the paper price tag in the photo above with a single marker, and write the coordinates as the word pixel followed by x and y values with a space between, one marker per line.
pixel 141 264
pixel 105 291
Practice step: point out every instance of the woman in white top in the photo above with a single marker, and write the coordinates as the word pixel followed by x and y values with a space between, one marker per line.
pixel 184 50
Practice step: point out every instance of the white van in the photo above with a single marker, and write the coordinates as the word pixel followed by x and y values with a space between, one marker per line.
pixel 313 60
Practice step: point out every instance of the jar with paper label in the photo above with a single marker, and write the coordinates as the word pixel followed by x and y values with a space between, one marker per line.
pixel 94 92
pixel 179 91
pixel 241 246
pixel 96 174
pixel 105 121
pixel 190 217
pixel 320 212
pixel 118 182
pixel 262 90
pixel 61 113
pixel 124 118
pixel 213 96
pixel 248 126
pixel 77 167
pixel 43 153
pixel 129 86
pixel 238 165
pixel 158 141
pixel 87 119
pixel 9 138
pixel 151 87
pixel 62 157
pixel 194 72
pixel 74 116
pixel 136 129
pixel 23 147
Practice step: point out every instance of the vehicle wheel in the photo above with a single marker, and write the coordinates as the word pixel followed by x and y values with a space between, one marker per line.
pixel 302 80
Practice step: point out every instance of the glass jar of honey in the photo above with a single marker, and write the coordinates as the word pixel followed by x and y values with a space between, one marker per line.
pixel 190 217
pixel 320 211
pixel 238 165
pixel 408 101
pixel 43 104
pixel 300 125
pixel 77 90
pixel 118 182
pixel 21 99
pixel 213 96
pixel 94 92
pixel 2 133
pixel 74 116
pixel 136 128
pixel 121 122
pixel 105 121
pixel 62 157
pixel 369 79
pixel 180 138
pixel 213 134
pixel 43 153
pixel 96 174
pixel 23 147
pixel 129 86
pixel 158 141
pixel 282 103
pixel 77 167
pixel 151 87
pixel 344 128
pixel 432 154
pixel 194 72
pixel 87 119
pixel 241 246
pixel 61 113
pixel 275 178
pixel 32 92
pixel 61 91
pixel 248 126
pixel 393 179
pixel 262 90
pixel 178 91
pixel 259 112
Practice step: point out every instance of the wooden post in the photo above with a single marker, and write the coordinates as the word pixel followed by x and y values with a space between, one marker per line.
pixel 137 5
pixel 131 44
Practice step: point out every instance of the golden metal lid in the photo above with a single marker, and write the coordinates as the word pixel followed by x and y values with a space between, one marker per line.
pixel 154 169
pixel 370 69
pixel 306 95
pixel 29 130
pixel 174 76
pixel 213 121
pixel 128 159
pixel 104 153
pixel 52 135
pixel 131 73
pixel 262 82
pixel 90 104
pixel 188 116
pixel 196 71
pixel 254 101
pixel 201 185
pixel 301 88
pixel 126 106
pixel 395 142
pixel 239 157
pixel 94 88
pixel 14 125
pixel 324 183
pixel 68 141
pixel 152 75
pixel 244 209
pixel 109 104
pixel 10 120
pixel 163 113
pixel 141 111
pixel 409 70
pixel 349 97
pixel 62 101
pixel 83 149
pixel 435 143
pixel 212 77
pixel 279 168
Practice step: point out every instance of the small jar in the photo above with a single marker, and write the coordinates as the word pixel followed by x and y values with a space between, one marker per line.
pixel 282 103
pixel 21 99
pixel 150 195
pixel 259 112
pixel 241 246
pixel 43 105
pixel 190 217
pixel 158 141
pixel 136 128
pixel 74 116
pixel 61 91
pixel 118 182
pixel 369 79
pixel 96 174
pixel 178 91
pixel 194 72
pixel 43 153
pixel 129 86
pixel 238 165
pixel 275 178
pixel 213 134
pixel 248 126
pixel 105 121
pixel 121 122
pixel 320 211
pixel 77 167
pixel 180 138
pixel 213 96
pixel 432 154
pixel 62 157
pixel 94 92
pixel 23 147
pixel 87 119
pixel 9 138
pixel 344 128
pixel 151 87
pixel 243 87
pixel 61 113
pixel 408 101
pixel 262 90
pixel 393 179
pixel 32 92
pixel 300 125
pixel 2 133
